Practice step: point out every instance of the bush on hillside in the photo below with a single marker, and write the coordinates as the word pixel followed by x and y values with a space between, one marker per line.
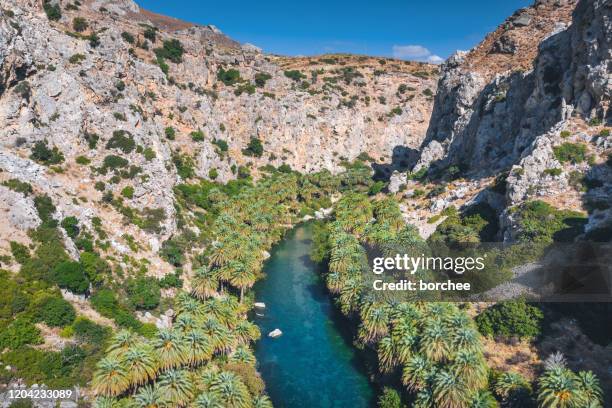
pixel 70 275
pixel 54 311
pixel 509 319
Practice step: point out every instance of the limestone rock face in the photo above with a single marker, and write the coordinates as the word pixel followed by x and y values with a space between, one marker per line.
pixel 488 119
pixel 92 98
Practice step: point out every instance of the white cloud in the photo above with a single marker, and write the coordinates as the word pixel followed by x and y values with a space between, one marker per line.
pixel 435 59
pixel 415 52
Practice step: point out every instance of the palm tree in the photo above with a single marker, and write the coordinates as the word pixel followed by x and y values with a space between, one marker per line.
pixel 434 341
pixel 589 384
pixel 386 354
pixel 110 378
pixel 471 367
pixel 350 295
pixel 509 384
pixel 262 401
pixel 105 402
pixel 466 338
pixel 140 364
pixel 204 283
pixel 242 276
pixel 246 332
pixel 417 373
pixel 185 322
pixel 209 400
pixel 449 391
pixel 199 347
pixel 483 399
pixel 171 348
pixel 221 338
pixel 242 355
pixel 123 341
pixel 232 391
pixel 560 388
pixel 375 321
pixel 177 386
pixel 424 399
pixel 151 396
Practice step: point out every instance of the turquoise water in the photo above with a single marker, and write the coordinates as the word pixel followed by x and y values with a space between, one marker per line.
pixel 311 364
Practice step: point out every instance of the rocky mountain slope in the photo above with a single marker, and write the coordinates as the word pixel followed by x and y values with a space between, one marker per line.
pixel 531 102
pixel 177 101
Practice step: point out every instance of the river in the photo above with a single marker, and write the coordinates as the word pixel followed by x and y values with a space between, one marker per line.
pixel 312 364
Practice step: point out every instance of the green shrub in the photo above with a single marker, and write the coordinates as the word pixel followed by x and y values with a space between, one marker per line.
pixel 128 37
pixel 185 166
pixel 149 154
pixel 120 116
pixel 389 399
pixel 150 33
pixel 120 85
pixel 143 292
pixel 82 160
pixel 76 58
pixel 172 250
pixel 128 192
pixel 20 332
pixel 244 172
pixel 91 139
pixel 94 267
pixel 248 88
pixel 20 252
pixel 71 226
pixel 221 144
pixel 261 78
pixel 509 319
pixel 87 331
pixel 18 186
pixel 113 162
pixel 254 148
pixel 553 172
pixel 197 136
pixel 105 302
pixel 565 134
pixel 229 77
pixel 540 222
pixel 172 50
pixel 70 275
pixel 42 154
pixel 79 24
pixel 213 174
pixel 170 133
pixel 295 75
pixel 55 311
pixel 45 208
pixel 171 280
pixel 397 111
pixel 570 152
pixel 53 11
pixel 604 133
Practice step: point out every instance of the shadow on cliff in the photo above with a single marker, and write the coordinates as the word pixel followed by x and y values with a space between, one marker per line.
pixel 402 159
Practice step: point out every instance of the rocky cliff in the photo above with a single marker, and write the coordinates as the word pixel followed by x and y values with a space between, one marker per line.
pixel 536 87
pixel 173 101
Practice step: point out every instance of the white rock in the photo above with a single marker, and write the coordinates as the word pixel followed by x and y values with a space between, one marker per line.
pixel 259 305
pixel 275 333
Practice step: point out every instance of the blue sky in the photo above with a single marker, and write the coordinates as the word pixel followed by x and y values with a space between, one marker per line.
pixel 416 30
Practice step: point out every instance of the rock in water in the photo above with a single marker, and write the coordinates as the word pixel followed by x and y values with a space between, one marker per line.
pixel 275 333
pixel 259 305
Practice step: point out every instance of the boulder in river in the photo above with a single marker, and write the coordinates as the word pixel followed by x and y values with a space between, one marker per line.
pixel 275 333
pixel 259 305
